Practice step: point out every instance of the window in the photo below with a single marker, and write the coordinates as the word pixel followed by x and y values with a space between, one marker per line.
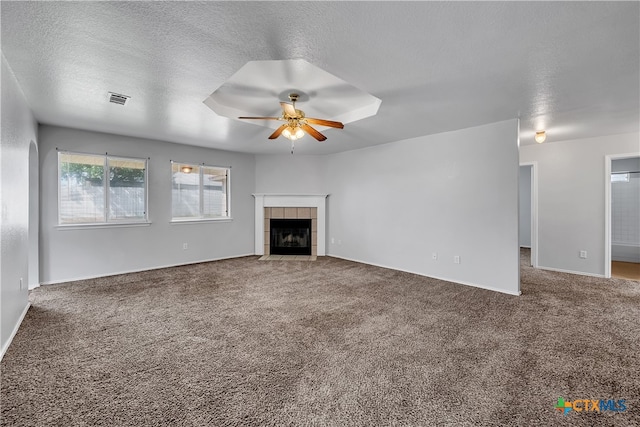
pixel 101 189
pixel 199 192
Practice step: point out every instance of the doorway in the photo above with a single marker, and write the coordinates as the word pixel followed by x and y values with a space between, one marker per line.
pixel 624 218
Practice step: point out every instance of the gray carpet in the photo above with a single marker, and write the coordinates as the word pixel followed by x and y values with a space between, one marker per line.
pixel 325 343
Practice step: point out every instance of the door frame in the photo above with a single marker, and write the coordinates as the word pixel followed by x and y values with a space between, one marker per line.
pixel 534 211
pixel 608 159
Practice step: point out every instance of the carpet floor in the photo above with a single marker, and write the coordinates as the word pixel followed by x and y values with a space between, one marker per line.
pixel 325 343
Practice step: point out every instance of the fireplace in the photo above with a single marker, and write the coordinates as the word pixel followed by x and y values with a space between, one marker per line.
pixel 290 236
pixel 289 206
pixel 293 226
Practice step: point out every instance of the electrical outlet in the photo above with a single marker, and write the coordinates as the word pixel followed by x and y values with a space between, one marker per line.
pixel 333 241
pixel 456 259
pixel 583 254
pixel 21 283
pixel 185 246
pixel 434 256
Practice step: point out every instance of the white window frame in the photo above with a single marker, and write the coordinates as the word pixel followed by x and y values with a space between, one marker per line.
pixel 105 180
pixel 201 217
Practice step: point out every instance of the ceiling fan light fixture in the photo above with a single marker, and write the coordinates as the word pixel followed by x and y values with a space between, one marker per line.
pixel 293 133
pixel 297 124
pixel 540 136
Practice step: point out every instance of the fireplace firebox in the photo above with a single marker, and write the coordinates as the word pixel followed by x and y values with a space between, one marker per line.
pixel 290 236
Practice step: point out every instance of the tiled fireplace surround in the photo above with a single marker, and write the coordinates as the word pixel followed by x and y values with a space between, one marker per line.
pixel 291 213
pixel 290 206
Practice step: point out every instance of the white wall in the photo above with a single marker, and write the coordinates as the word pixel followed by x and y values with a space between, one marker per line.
pixel 571 200
pixel 454 193
pixel 69 254
pixel 19 129
pixel 525 206
pixel 290 174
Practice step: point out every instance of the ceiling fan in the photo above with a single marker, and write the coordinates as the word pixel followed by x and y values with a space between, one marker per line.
pixel 296 123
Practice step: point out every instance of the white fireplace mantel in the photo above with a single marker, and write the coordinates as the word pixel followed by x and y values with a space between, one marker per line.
pixel 289 201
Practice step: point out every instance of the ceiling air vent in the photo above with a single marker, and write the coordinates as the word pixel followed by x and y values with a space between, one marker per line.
pixel 117 98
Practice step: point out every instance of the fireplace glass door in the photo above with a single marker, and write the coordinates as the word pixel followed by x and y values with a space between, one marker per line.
pixel 290 237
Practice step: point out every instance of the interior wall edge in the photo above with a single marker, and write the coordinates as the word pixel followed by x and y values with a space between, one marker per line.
pixel 7 344
pixel 18 130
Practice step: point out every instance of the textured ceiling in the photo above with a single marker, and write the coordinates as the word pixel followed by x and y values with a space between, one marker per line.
pixel 571 68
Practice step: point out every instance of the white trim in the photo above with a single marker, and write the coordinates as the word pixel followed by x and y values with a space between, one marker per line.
pixel 33 230
pixel 200 220
pixel 15 331
pixel 579 273
pixel 518 207
pixel 102 225
pixel 290 195
pixel 107 190
pixel 200 164
pixel 263 200
pixel 534 211
pixel 228 193
pixel 607 207
pixel 457 282
pixel 56 282
pixel 607 216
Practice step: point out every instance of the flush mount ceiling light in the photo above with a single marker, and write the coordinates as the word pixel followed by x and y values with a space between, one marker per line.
pixel 540 136
pixel 254 91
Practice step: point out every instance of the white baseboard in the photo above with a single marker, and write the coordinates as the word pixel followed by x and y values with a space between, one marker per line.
pixel 55 282
pixel 5 347
pixel 626 259
pixel 444 279
pixel 579 273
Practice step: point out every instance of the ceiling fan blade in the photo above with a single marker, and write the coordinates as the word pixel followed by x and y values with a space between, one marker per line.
pixel 288 109
pixel 314 133
pixel 259 118
pixel 278 131
pixel 328 123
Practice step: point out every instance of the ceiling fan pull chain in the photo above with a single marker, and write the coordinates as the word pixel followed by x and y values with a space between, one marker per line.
pixel 292 146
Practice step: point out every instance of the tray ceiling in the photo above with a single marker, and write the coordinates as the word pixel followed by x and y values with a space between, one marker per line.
pixel 257 88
